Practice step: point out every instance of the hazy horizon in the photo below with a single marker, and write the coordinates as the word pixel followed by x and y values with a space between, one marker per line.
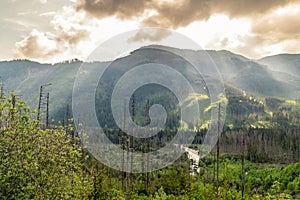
pixel 82 60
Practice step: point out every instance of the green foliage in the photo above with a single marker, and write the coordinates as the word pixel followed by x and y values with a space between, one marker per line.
pixel 37 163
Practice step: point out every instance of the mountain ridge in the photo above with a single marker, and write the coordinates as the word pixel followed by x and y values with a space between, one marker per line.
pixel 250 76
pixel 207 50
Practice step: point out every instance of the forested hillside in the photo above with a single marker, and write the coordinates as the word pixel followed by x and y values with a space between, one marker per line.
pixel 248 82
pixel 51 163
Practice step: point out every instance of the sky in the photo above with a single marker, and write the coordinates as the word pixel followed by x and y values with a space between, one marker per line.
pixel 58 30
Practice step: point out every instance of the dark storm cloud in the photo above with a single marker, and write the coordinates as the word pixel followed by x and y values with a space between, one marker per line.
pixel 177 13
pixel 121 8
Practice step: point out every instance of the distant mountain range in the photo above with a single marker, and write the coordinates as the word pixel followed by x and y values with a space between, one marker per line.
pixel 273 76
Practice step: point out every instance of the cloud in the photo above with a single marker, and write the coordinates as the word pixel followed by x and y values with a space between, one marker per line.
pixel 19 22
pixel 36 45
pixel 71 27
pixel 180 15
pixel 51 13
pixel 43 1
pixel 253 28
pixel 150 35
pixel 279 26
pixel 68 32
pixel 73 36
pixel 122 9
pixel 175 14
pixel 275 32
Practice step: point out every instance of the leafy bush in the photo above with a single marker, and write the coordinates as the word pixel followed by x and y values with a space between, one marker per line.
pixel 37 163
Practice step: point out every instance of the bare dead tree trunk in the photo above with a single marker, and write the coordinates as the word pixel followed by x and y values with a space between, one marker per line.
pixel 218 151
pixel 243 158
pixel 47 111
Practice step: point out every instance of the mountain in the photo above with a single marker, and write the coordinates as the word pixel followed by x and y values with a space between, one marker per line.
pixel 286 63
pixel 275 76
pixel 284 68
pixel 24 77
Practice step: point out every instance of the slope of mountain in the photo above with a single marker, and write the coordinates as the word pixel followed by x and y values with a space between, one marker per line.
pixel 254 77
pixel 285 68
pixel 25 77
pixel 287 63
